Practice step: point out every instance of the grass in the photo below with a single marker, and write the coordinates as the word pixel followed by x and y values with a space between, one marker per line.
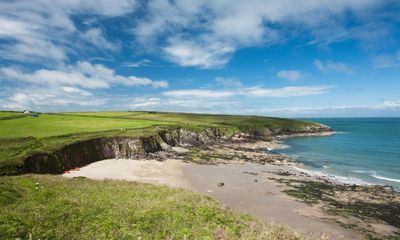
pixel 198 156
pixel 9 113
pixel 51 207
pixel 102 114
pixel 24 136
pixel 56 125
pixel 5 115
pixel 239 122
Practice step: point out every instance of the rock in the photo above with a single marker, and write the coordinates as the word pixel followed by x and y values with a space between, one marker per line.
pixel 251 173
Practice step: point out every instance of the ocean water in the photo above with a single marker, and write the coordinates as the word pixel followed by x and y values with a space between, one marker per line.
pixel 364 150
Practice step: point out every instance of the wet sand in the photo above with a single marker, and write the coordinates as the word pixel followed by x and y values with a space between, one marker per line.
pixel 262 197
pixel 250 192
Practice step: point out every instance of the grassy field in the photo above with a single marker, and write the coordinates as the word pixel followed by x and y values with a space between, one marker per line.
pixel 103 114
pixel 56 125
pixel 51 207
pixel 234 121
pixel 5 115
pixel 24 136
pixel 8 114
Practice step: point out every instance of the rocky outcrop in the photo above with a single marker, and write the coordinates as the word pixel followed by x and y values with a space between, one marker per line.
pixel 85 152
pixel 82 153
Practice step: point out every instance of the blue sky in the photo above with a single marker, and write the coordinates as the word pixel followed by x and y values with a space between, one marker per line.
pixel 280 58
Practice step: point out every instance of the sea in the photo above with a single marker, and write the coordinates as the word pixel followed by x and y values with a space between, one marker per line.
pixel 363 151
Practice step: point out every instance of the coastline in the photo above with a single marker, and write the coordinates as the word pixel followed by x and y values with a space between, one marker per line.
pixel 241 192
pixel 233 162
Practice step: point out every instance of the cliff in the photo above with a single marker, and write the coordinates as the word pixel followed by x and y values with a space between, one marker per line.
pixel 81 153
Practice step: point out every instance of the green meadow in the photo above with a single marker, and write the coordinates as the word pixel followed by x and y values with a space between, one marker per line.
pixel 8 114
pixel 53 207
pixel 49 125
pixel 23 135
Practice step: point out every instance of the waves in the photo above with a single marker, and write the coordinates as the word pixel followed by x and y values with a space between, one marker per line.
pixel 341 132
pixel 337 178
pixel 386 178
pixel 362 151
pixel 374 174
pixel 348 180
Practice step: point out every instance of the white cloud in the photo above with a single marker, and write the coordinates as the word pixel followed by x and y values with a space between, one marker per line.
pixel 199 93
pixel 191 33
pixel 390 104
pixel 347 110
pixel 51 98
pixel 78 91
pixel 143 103
pixel 387 106
pixel 286 91
pixel 387 61
pixel 228 82
pixel 250 92
pixel 141 63
pixel 190 53
pixel 231 106
pixel 333 66
pixel 44 32
pixel 27 41
pixel 183 105
pixel 291 75
pixel 82 74
pixel 220 101
pixel 96 37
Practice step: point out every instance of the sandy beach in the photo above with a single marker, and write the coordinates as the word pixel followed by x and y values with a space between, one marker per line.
pixel 246 188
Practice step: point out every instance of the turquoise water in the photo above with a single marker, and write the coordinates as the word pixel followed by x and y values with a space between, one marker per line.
pixel 364 150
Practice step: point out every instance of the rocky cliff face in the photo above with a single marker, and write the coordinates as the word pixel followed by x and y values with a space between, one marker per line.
pixel 82 153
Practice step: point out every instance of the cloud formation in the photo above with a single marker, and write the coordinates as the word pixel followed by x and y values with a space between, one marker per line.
pixel 228 82
pixel 50 50
pixel 206 33
pixel 82 74
pixel 37 31
pixel 330 66
pixel 250 92
pixel 236 107
pixel 51 99
pixel 291 75
pixel 387 60
pixel 71 86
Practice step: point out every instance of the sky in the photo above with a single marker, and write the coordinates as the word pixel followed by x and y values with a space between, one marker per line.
pixel 287 58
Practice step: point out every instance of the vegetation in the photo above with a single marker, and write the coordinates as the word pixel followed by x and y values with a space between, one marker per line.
pixel 26 135
pixel 4 115
pixel 201 157
pixel 242 123
pixel 51 207
pixel 55 125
